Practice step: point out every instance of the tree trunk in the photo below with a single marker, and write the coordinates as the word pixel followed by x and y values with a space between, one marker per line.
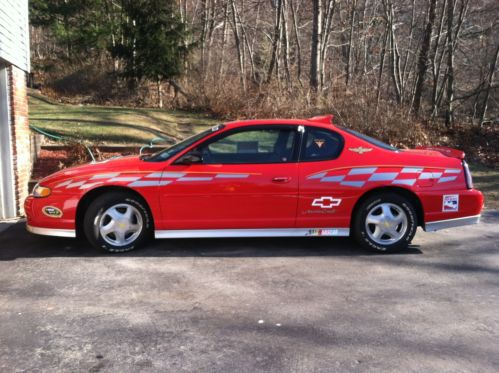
pixel 327 24
pixel 275 41
pixel 160 93
pixel 237 40
pixel 423 57
pixel 297 41
pixel 449 114
pixel 224 40
pixel 381 66
pixel 285 38
pixel 316 44
pixel 350 42
pixel 489 86
pixel 437 60
pixel 394 53
pixel 406 71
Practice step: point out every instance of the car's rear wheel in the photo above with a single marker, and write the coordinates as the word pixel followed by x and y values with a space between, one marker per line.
pixel 117 222
pixel 385 222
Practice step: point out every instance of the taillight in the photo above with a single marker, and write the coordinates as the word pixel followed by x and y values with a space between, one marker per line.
pixel 467 175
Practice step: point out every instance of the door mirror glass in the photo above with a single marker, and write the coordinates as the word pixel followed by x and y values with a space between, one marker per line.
pixel 193 157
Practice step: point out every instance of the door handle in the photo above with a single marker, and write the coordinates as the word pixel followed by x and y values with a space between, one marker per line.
pixel 281 179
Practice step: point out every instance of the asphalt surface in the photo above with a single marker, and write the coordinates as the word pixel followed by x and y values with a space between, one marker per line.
pixel 251 305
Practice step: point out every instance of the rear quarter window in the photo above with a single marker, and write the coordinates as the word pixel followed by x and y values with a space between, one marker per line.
pixel 320 144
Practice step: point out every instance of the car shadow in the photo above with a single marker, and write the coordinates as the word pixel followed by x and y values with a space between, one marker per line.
pixel 16 243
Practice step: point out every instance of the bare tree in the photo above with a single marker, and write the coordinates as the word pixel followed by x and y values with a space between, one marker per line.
pixel 275 41
pixel 423 56
pixel 239 46
pixel 488 88
pixel 348 67
pixel 432 58
pixel 316 45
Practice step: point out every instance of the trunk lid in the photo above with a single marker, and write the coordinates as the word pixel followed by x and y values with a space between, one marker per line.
pixel 449 152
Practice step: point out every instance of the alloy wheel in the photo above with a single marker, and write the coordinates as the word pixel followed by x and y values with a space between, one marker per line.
pixel 121 224
pixel 386 223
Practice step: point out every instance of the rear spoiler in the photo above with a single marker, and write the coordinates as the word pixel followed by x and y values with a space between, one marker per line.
pixel 326 119
pixel 449 152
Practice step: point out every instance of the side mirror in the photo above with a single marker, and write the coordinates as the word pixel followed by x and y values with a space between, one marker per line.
pixel 193 157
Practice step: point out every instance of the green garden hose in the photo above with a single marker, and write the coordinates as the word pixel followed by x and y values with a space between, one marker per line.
pixel 58 138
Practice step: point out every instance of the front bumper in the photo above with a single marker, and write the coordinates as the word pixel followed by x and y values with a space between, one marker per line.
pixel 51 231
pixel 60 226
pixel 451 223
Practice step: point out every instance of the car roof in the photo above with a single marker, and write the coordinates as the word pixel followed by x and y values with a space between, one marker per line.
pixel 322 121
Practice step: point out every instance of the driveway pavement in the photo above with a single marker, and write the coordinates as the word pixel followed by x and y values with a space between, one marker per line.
pixel 251 305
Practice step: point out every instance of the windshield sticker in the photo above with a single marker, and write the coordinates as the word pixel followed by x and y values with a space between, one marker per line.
pixel 319 142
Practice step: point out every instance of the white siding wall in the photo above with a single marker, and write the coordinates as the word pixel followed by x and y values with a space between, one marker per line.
pixel 14 33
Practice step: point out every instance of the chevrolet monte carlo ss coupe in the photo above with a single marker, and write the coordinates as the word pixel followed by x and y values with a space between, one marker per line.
pixel 261 178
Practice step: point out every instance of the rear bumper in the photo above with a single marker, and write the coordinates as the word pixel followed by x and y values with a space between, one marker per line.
pixel 469 206
pixel 451 223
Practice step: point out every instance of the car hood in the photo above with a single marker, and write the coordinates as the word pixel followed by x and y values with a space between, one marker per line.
pixel 110 165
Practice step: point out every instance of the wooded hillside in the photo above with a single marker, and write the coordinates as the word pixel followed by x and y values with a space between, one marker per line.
pixel 408 71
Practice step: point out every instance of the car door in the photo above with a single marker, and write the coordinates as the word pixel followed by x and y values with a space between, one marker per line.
pixel 248 178
pixel 323 201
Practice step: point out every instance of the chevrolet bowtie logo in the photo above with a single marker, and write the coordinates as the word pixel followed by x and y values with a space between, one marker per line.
pixel 326 202
pixel 360 150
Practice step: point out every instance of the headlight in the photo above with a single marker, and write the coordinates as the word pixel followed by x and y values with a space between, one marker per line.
pixel 40 191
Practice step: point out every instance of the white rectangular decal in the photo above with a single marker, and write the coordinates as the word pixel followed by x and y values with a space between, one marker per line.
pixel 450 203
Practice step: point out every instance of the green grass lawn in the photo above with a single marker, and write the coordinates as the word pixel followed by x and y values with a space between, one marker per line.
pixel 113 125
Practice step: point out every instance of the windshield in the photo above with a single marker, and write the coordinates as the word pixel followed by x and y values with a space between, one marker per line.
pixel 166 154
pixel 373 141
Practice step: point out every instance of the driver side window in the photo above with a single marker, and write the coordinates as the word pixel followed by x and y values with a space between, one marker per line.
pixel 253 145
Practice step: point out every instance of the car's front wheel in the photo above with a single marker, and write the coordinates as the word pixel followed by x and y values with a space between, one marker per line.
pixel 385 222
pixel 117 222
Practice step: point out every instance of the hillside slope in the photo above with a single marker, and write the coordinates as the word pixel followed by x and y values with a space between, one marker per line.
pixel 113 125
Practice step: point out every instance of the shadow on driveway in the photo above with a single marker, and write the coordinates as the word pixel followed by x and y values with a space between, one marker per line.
pixel 16 243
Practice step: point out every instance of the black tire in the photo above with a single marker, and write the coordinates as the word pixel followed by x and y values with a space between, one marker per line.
pixel 364 232
pixel 98 211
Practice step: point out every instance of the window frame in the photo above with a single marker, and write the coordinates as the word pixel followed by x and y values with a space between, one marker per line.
pixel 371 140
pixel 208 133
pixel 303 144
pixel 295 150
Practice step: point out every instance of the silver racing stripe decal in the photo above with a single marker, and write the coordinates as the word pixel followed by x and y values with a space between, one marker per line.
pixel 75 185
pixel 105 176
pixel 65 183
pixel 360 176
pixel 231 176
pixel 124 178
pixel 363 171
pixel 193 178
pixel 149 183
pixel 384 176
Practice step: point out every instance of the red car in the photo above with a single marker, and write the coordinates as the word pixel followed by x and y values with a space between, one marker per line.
pixel 261 178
